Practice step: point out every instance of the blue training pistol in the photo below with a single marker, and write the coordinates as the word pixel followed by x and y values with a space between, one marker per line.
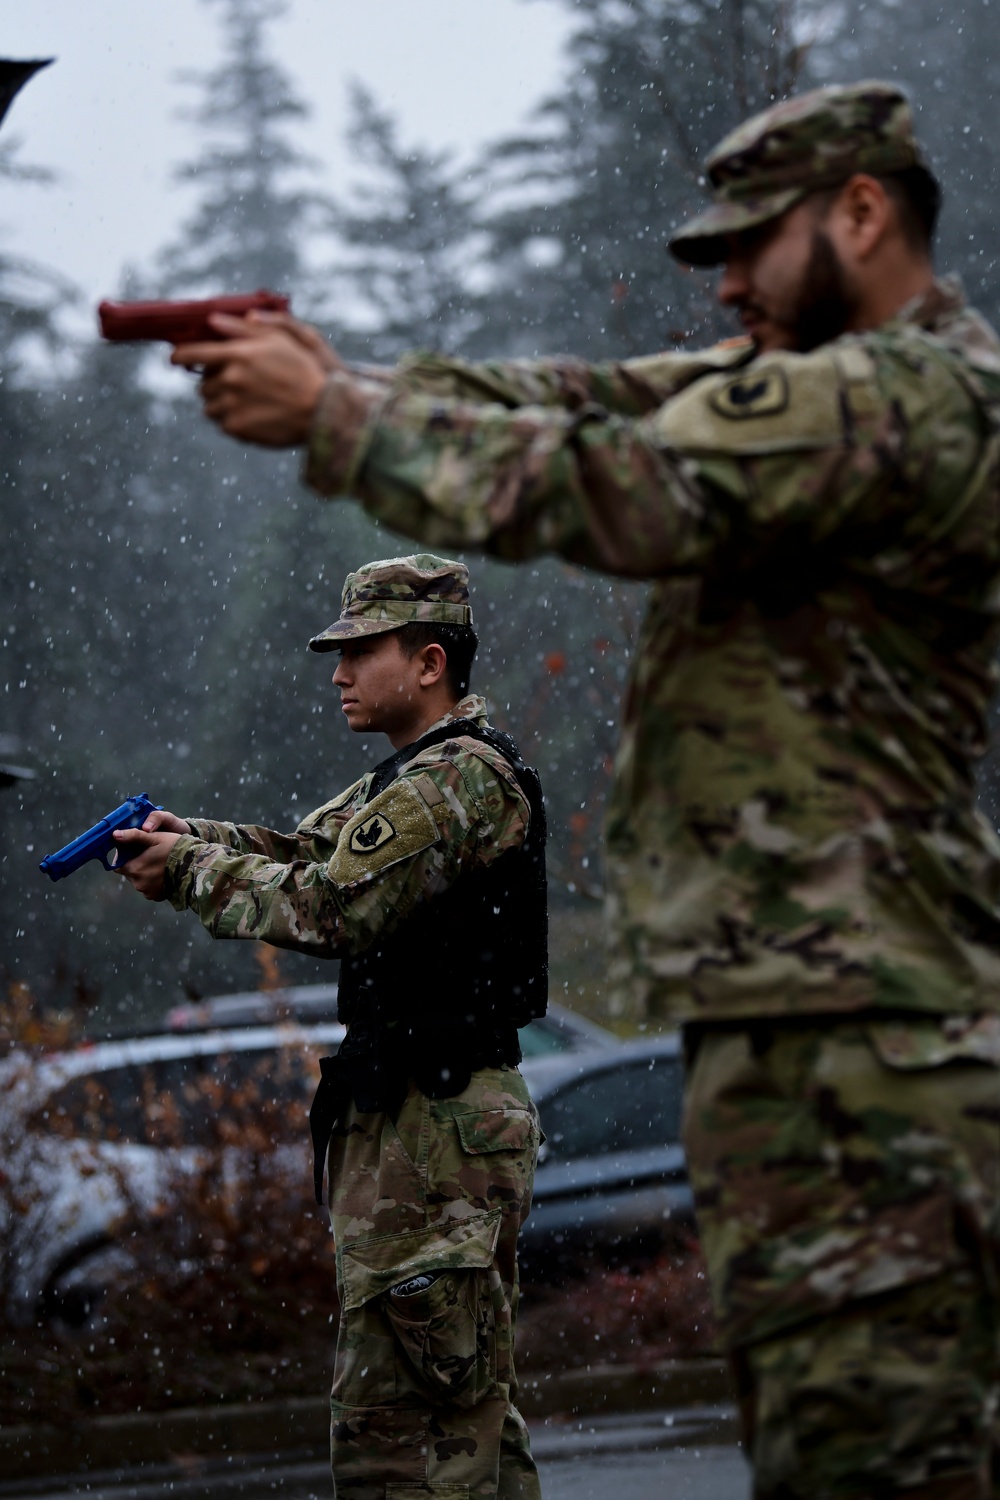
pixel 99 842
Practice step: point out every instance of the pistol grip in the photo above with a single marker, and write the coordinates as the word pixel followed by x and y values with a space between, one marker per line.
pixel 116 855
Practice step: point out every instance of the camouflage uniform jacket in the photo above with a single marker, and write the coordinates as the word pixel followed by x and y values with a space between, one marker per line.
pixel 793 825
pixel 337 881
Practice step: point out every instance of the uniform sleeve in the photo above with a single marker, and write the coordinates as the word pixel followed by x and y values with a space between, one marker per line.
pixel 789 447
pixel 405 846
pixel 314 839
pixel 243 838
pixel 631 387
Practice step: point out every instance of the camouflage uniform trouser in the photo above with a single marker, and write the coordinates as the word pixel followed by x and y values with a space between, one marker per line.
pixel 424 1385
pixel 847 1178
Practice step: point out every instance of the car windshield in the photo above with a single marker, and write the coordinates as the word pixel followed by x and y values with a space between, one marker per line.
pixel 629 1107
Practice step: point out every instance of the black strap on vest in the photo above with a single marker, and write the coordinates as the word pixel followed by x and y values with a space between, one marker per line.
pixel 359 1071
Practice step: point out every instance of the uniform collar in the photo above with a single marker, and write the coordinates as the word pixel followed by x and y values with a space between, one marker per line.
pixel 470 707
pixel 943 301
pixel 943 313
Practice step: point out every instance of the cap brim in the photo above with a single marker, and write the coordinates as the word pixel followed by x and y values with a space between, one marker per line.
pixel 348 630
pixel 13 77
pixel 702 240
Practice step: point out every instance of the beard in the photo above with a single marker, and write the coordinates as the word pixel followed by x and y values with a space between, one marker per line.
pixel 823 307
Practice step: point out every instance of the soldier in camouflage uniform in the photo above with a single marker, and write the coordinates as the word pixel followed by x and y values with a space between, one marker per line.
pixel 798 872
pixel 419 878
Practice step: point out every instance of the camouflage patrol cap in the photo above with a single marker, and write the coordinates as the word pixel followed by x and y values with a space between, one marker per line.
pixel 382 596
pixel 813 141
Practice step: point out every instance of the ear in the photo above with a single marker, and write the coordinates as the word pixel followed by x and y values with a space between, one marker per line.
pixel 861 217
pixel 433 664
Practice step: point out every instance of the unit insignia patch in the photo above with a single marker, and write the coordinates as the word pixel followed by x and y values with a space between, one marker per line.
pixel 760 393
pixel 372 834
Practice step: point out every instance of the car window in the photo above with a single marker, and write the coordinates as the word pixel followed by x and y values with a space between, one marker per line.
pixel 541 1040
pixel 253 1098
pixel 630 1107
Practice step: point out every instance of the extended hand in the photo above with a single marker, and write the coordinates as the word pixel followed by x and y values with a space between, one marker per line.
pixel 145 871
pixel 262 384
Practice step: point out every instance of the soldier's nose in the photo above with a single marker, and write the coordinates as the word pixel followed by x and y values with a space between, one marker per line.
pixel 733 286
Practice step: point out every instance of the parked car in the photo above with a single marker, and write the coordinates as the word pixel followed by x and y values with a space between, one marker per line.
pixel 299 1002
pixel 612 1179
pixel 559 1030
pixel 99 1132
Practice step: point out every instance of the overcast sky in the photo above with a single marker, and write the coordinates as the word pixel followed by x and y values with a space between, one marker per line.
pixel 454 72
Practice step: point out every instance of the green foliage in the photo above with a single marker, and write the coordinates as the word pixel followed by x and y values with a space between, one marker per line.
pixel 411 225
pixel 162 583
pixel 31 296
pixel 650 86
pixel 135 628
pixel 948 58
pixel 250 221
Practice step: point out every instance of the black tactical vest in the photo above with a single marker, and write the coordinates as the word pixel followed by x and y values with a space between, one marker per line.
pixel 444 993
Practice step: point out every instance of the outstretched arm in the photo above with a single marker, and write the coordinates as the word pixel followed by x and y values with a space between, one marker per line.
pixel 263 381
pixel 788 448
pixel 314 840
pixel 779 456
pixel 445 818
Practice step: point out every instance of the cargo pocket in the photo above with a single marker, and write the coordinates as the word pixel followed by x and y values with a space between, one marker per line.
pixel 950 1067
pixel 444 1333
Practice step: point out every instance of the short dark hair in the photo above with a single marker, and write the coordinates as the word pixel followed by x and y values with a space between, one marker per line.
pixel 916 193
pixel 458 642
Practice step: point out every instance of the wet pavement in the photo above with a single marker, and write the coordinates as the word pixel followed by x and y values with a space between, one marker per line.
pixel 690 1454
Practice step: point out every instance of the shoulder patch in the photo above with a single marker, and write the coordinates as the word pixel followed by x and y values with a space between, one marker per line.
pixel 395 825
pixel 762 393
pixel 778 403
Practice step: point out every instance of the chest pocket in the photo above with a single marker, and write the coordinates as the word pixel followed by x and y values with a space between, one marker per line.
pixel 330 811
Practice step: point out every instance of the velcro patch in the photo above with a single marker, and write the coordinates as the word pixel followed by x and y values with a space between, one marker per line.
pixel 782 402
pixel 431 793
pixel 393 826
pixel 762 393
